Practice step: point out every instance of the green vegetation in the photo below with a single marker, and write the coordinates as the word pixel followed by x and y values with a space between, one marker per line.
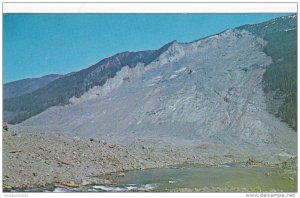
pixel 281 76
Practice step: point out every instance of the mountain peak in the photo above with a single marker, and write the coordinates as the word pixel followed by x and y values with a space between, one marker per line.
pixel 75 84
pixel 173 42
pixel 274 25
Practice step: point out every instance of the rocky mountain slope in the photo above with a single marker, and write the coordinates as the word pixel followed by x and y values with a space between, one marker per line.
pixel 211 102
pixel 207 91
pixel 280 78
pixel 75 84
pixel 25 86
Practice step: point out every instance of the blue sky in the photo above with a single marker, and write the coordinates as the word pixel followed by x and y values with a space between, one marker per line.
pixel 39 44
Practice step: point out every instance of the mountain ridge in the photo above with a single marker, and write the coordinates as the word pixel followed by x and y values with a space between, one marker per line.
pixel 187 97
pixel 57 93
pixel 27 85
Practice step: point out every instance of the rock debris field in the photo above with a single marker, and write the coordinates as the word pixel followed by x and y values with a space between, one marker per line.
pixel 200 102
pixel 42 159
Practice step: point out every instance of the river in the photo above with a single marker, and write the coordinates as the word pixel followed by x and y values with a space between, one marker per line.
pixel 184 178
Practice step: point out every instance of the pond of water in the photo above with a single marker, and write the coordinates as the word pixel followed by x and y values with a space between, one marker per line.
pixel 167 179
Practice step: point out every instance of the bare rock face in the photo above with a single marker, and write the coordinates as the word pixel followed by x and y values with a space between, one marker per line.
pixel 208 91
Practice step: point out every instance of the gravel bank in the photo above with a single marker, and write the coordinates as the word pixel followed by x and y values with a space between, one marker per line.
pixel 42 159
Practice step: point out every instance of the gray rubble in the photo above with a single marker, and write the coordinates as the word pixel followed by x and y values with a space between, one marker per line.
pixel 45 159
pixel 199 102
pixel 205 92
